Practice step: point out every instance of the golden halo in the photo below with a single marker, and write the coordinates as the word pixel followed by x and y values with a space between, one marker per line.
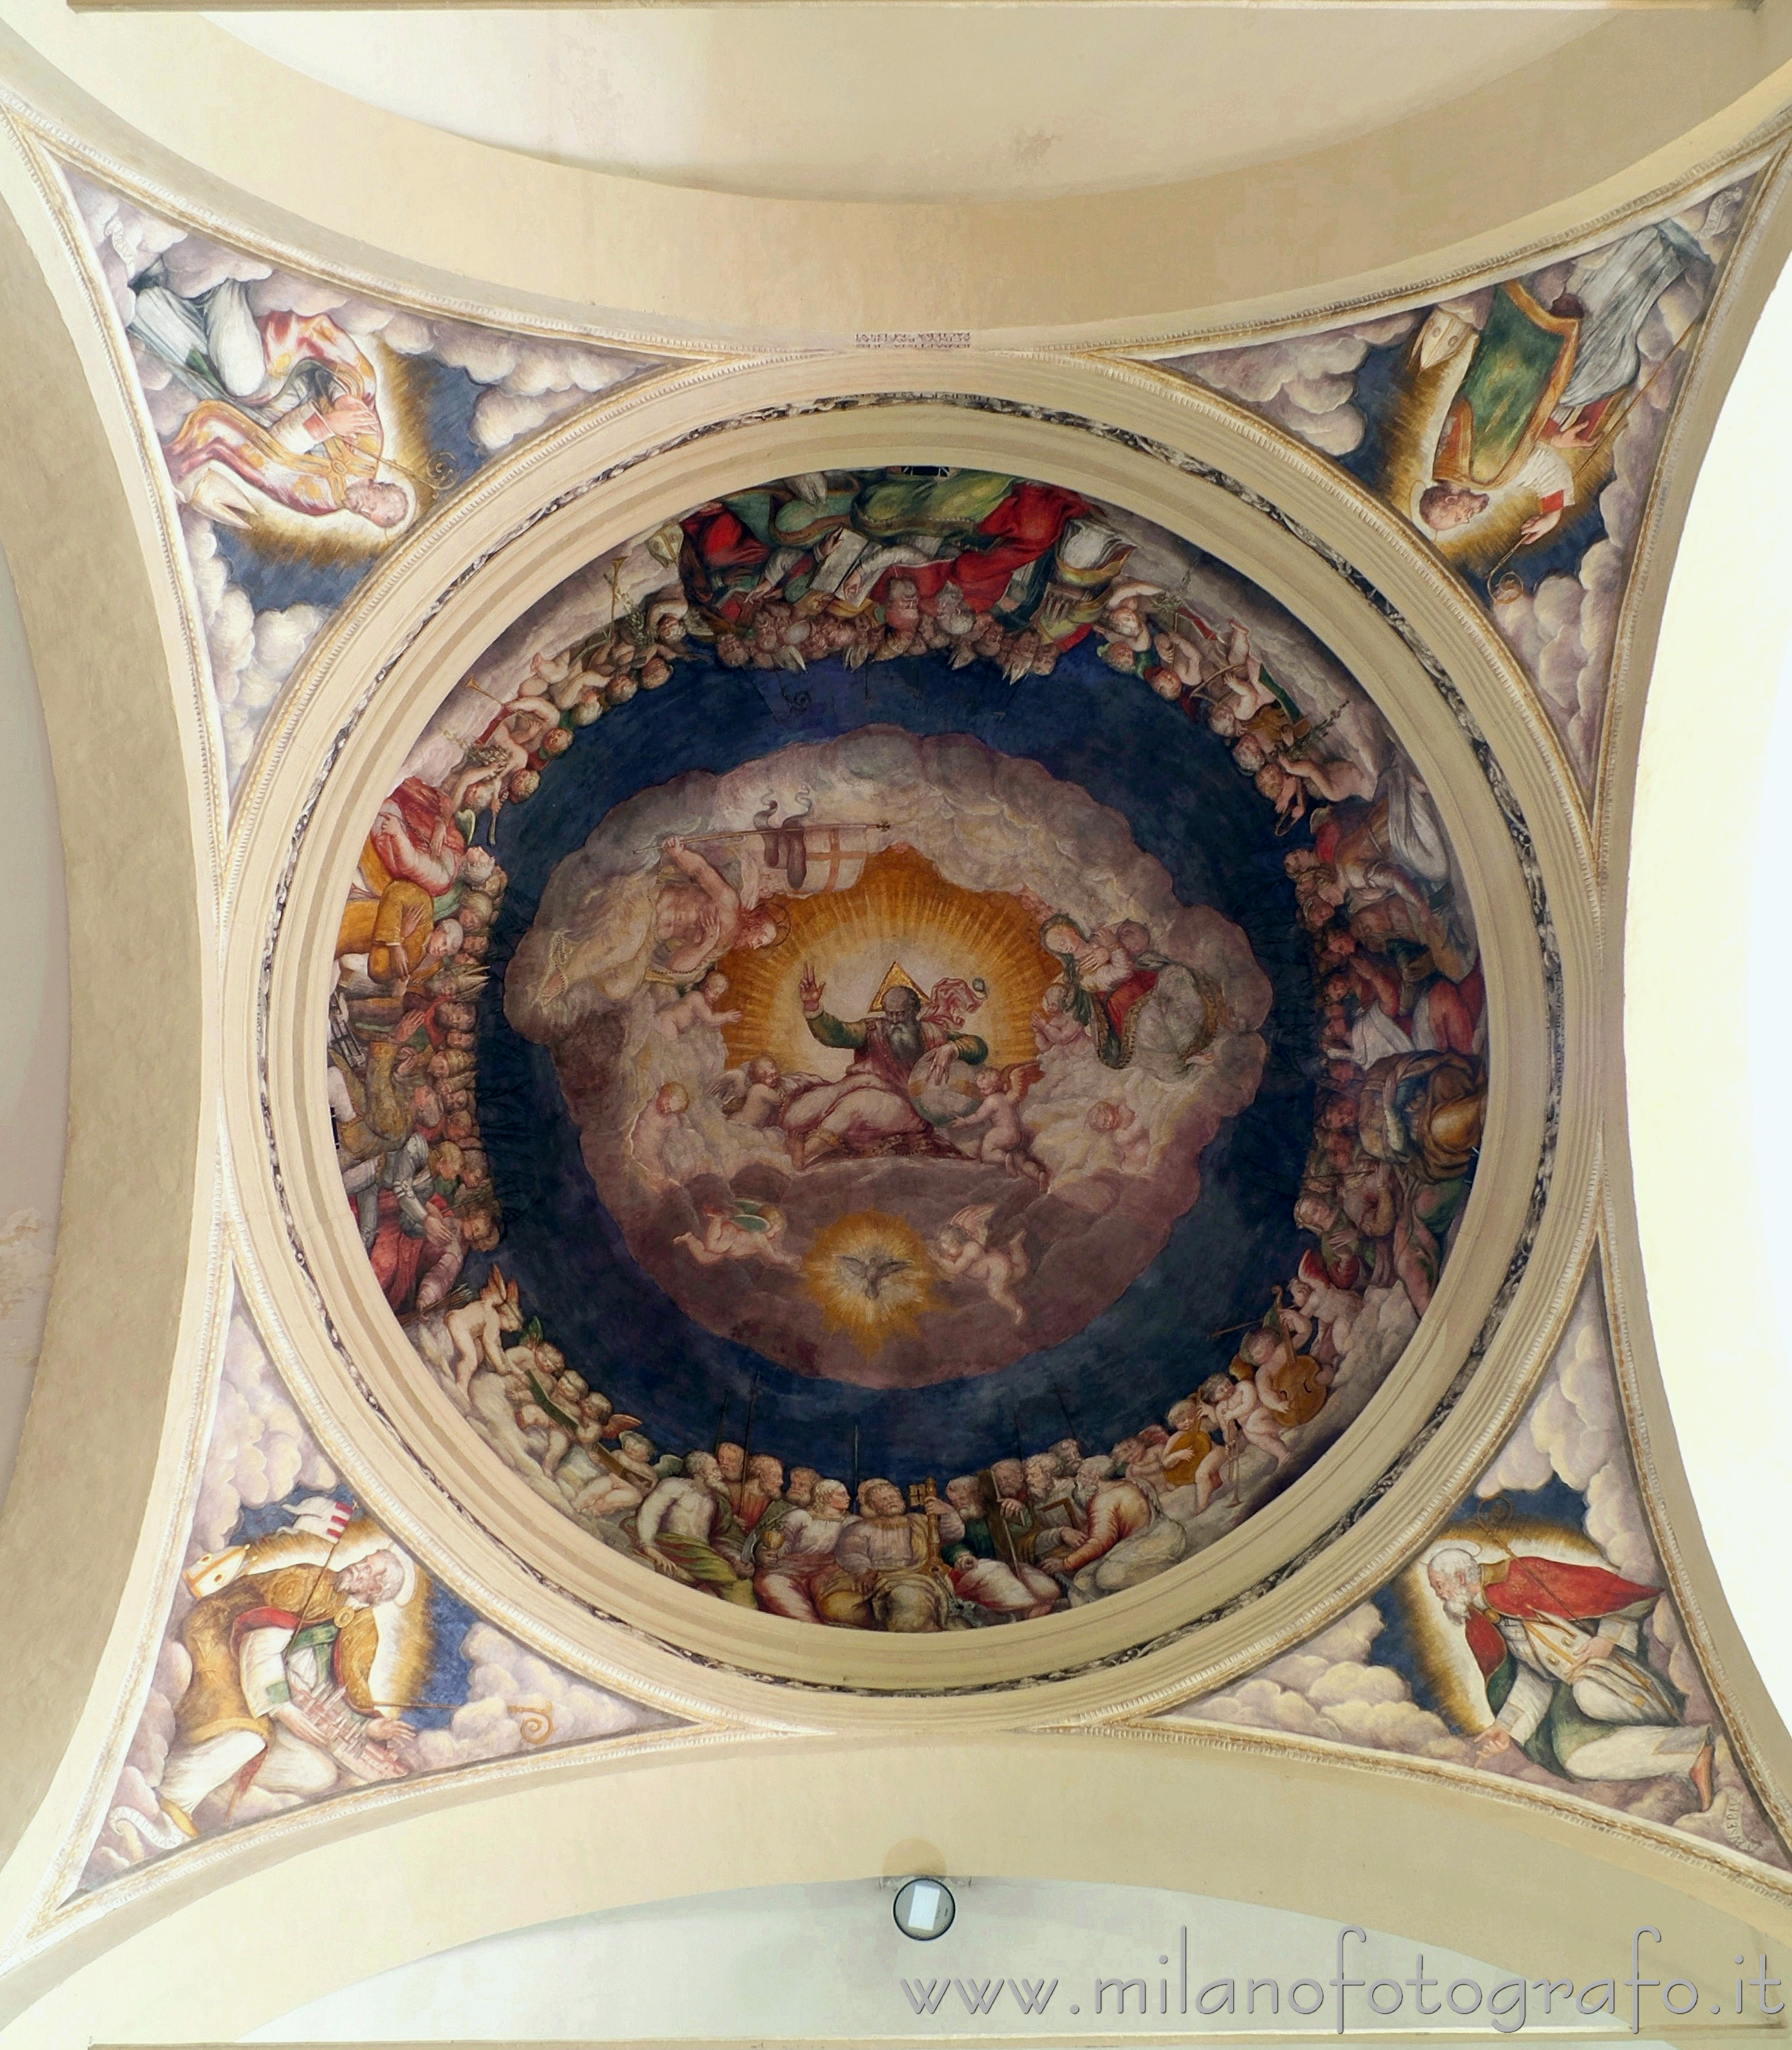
pixel 901 921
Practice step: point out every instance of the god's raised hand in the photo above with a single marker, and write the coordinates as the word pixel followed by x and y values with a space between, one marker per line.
pixel 809 991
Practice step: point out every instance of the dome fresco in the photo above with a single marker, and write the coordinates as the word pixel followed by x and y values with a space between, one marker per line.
pixel 908 1048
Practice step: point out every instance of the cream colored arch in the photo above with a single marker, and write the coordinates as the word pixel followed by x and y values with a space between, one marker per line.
pixel 1094 427
pixel 1433 1863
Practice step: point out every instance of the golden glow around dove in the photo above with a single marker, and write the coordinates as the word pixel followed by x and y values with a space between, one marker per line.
pixel 871 1274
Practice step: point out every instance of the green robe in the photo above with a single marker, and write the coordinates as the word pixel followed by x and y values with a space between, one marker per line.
pixel 1521 363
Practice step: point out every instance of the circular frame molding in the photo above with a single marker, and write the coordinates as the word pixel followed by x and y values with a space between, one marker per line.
pixel 1174 456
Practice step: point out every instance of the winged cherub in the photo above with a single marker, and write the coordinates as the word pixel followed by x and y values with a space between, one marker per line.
pixel 478 1328
pixel 1005 1142
pixel 749 1230
pixel 962 1248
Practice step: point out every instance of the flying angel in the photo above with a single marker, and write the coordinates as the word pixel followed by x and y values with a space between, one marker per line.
pixel 962 1250
pixel 749 1230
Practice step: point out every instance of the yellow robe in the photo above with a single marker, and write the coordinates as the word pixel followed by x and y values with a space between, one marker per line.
pixel 391 929
pixel 214 1699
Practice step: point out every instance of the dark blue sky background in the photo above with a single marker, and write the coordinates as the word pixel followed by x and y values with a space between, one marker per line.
pixel 1186 804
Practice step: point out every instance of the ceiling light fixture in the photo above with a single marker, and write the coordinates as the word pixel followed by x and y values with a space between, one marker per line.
pixel 925 1909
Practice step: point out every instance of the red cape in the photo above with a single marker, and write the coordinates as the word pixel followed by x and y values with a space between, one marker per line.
pixel 1547 1588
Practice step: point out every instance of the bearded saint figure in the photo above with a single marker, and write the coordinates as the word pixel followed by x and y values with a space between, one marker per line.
pixel 283 1642
pixel 288 410
pixel 1559 1646
pixel 871 1108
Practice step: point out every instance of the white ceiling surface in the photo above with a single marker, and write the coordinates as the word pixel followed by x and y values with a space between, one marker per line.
pixel 916 102
pixel 33 1023
pixel 827 1961
pixel 1711 1119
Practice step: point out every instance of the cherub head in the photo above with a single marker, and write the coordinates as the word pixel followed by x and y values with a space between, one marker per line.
pixel 762 1070
pixel 989 1082
pixel 1260 1347
pixel 715 985
pixel 671 1100
pixel 1126 615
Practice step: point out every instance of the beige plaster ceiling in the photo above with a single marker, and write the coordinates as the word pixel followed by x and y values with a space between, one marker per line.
pixel 33 1024
pixel 999 103
pixel 826 1959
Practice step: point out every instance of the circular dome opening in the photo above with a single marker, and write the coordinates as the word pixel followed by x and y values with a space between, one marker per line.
pixel 909 1049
